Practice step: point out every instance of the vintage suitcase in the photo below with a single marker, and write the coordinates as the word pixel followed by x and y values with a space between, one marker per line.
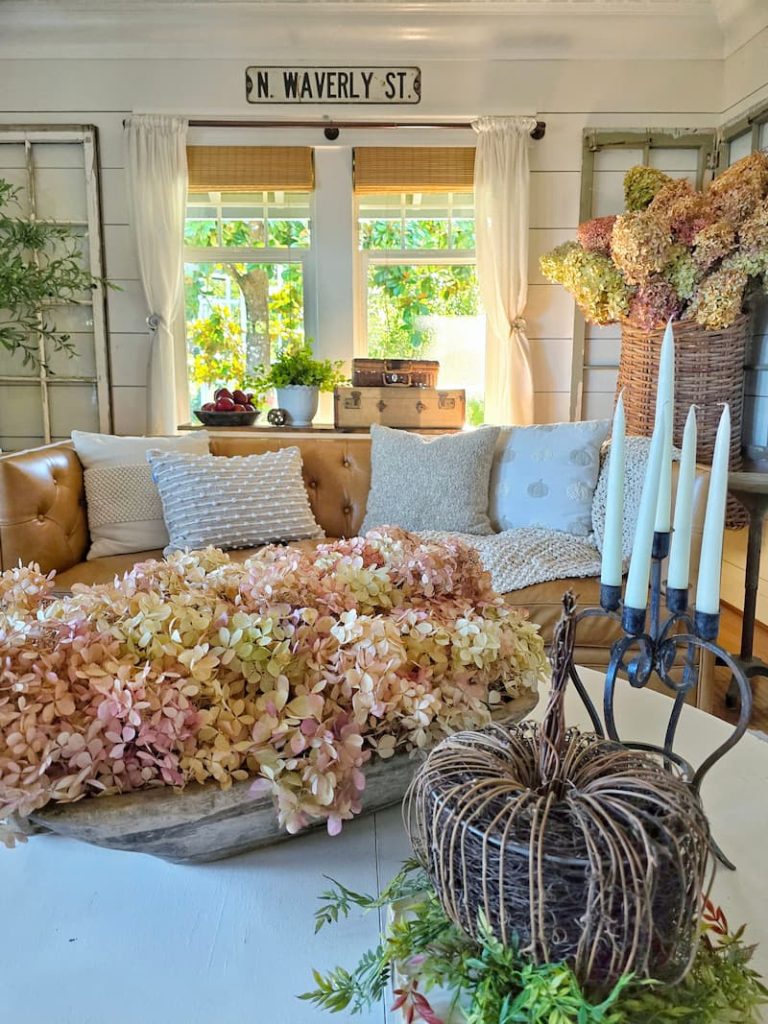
pixel 376 373
pixel 393 406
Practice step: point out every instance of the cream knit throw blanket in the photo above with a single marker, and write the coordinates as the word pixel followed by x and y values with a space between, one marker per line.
pixel 519 558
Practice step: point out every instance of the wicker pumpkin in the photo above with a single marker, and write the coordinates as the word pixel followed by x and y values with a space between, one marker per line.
pixel 572 847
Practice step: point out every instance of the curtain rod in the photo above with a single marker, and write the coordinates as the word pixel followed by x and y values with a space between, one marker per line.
pixel 331 129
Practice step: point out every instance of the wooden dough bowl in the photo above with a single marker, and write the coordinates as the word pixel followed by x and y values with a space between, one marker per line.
pixel 203 822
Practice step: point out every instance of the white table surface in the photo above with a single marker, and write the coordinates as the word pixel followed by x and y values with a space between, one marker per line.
pixel 90 936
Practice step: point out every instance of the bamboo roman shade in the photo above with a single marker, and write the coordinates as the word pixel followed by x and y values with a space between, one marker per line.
pixel 418 169
pixel 250 168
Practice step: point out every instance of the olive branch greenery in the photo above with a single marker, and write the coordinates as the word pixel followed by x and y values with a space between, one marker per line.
pixel 40 265
pixel 494 984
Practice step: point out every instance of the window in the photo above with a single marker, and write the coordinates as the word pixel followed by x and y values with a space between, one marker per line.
pixel 368 250
pixel 244 280
pixel 419 293
pixel 740 138
pixel 56 172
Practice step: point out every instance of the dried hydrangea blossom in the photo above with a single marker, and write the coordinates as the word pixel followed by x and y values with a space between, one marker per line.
pixel 640 245
pixel 292 668
pixel 669 197
pixel 676 236
pixel 599 288
pixel 713 243
pixel 595 235
pixel 687 215
pixel 653 304
pixel 682 273
pixel 641 184
pixel 719 299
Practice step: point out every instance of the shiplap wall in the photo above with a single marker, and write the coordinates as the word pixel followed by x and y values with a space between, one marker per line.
pixel 569 95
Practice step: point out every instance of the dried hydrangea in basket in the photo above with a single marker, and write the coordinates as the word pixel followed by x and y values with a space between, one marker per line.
pixel 293 669
pixel 573 848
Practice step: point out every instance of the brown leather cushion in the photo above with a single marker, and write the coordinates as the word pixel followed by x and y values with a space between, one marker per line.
pixel 104 570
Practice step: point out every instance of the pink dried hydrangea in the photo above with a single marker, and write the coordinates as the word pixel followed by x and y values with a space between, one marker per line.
pixel 640 245
pixel 595 235
pixel 653 304
pixel 291 669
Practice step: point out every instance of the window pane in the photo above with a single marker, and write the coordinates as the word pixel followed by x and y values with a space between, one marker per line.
pixel 412 220
pixel 430 311
pixel 248 220
pixel 236 313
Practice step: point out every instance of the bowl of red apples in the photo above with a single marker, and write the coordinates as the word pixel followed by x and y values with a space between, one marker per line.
pixel 229 409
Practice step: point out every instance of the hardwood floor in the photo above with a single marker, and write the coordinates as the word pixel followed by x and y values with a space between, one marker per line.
pixel 730 639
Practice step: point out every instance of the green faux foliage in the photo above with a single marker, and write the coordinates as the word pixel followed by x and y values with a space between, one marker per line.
pixel 40 265
pixel 495 984
pixel 296 365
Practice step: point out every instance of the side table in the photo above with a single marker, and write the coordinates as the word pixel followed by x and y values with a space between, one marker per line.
pixel 750 485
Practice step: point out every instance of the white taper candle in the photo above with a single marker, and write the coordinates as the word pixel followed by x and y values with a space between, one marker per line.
pixel 636 592
pixel 710 563
pixel 611 568
pixel 665 395
pixel 680 552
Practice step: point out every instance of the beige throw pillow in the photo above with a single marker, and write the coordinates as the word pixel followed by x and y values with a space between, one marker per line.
pixel 421 483
pixel 241 501
pixel 124 510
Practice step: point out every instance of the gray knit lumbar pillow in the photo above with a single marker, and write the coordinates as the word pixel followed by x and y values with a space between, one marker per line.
pixel 239 501
pixel 438 483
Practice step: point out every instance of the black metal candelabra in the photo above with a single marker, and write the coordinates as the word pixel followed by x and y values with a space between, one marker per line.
pixel 649 649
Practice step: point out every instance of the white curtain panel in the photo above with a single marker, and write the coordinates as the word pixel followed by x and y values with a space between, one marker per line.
pixel 502 186
pixel 156 168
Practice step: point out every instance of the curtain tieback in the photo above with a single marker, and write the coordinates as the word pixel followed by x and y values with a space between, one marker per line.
pixel 153 322
pixel 519 324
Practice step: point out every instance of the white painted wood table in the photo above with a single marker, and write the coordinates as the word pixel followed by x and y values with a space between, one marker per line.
pixel 91 936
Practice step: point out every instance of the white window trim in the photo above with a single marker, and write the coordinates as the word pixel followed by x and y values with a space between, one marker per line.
pixel 332 269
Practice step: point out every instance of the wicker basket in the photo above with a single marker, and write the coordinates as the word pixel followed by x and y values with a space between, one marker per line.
pixel 709 370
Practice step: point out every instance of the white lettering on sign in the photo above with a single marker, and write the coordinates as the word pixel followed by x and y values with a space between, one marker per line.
pixel 332 85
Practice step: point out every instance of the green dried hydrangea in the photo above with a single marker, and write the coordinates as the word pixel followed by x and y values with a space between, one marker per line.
pixel 719 298
pixel 599 288
pixel 640 186
pixel 682 272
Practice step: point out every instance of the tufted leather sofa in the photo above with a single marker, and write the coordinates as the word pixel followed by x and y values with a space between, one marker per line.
pixel 43 519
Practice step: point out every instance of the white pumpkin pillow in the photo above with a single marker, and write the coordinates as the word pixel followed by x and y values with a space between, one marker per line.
pixel 545 476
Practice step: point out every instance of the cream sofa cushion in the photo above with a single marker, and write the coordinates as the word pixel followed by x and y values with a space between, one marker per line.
pixel 124 509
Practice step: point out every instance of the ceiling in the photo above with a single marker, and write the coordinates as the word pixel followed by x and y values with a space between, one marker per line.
pixel 533 29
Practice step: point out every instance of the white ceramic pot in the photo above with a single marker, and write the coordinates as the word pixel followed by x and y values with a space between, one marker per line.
pixel 299 402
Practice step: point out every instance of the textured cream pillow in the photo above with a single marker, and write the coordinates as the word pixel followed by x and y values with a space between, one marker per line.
pixel 438 483
pixel 545 476
pixel 124 509
pixel 241 501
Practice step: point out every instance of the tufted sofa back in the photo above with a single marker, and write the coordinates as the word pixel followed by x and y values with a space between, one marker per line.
pixel 42 499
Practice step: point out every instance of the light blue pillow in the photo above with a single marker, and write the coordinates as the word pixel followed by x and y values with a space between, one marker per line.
pixel 546 475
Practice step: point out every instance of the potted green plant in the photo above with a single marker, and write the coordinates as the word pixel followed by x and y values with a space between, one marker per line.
pixel 298 378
